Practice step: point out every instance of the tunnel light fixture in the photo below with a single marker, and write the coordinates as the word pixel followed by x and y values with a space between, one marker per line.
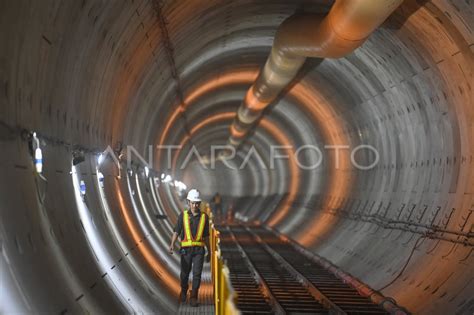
pixel 147 171
pixel 100 176
pixel 156 180
pixel 38 154
pixel 82 188
pixel 38 160
pixel 180 185
pixel 163 176
pixel 167 179
pixel 100 158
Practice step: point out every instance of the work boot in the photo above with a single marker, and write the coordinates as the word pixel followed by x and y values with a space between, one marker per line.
pixel 182 296
pixel 194 299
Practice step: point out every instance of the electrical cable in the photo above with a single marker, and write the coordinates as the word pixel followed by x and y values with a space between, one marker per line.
pixel 404 266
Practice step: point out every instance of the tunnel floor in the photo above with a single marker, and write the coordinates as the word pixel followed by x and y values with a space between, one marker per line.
pixel 205 298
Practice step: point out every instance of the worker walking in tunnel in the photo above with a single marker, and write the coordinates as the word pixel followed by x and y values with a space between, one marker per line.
pixel 192 228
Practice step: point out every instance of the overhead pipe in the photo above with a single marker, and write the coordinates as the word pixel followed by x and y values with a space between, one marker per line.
pixel 340 32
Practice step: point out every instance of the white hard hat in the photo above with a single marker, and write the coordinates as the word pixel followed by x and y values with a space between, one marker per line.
pixel 194 196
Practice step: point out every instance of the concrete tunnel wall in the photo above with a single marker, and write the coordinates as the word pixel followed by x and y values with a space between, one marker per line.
pixel 93 73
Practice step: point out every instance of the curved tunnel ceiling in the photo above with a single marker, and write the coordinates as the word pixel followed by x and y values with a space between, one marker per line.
pixel 86 75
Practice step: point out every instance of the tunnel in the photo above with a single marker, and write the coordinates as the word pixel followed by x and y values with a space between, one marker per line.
pixel 111 110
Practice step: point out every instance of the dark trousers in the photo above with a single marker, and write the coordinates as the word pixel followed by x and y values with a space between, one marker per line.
pixel 191 257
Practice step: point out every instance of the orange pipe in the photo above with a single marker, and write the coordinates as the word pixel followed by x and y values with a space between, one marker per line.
pixel 346 27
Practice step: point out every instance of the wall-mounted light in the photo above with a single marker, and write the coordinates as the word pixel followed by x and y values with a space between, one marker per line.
pixel 38 154
pixel 147 171
pixel 82 187
pixel 100 158
pixel 167 179
pixel 38 160
pixel 180 185
pixel 100 176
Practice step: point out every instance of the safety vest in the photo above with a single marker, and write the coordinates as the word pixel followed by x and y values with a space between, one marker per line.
pixel 188 240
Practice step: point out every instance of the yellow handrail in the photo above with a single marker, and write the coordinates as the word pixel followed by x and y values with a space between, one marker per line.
pixel 224 294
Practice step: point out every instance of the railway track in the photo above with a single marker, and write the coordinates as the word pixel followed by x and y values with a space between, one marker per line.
pixel 253 296
pixel 271 277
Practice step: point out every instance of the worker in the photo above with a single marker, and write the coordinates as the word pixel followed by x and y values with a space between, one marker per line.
pixel 192 228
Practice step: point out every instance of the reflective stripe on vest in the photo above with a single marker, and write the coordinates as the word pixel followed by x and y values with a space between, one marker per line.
pixel 188 237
